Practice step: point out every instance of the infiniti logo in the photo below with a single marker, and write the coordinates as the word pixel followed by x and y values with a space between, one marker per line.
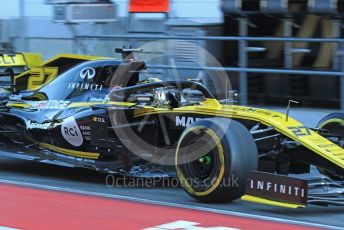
pixel 87 72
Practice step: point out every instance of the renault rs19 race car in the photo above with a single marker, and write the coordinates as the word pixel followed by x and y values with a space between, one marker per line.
pixel 100 115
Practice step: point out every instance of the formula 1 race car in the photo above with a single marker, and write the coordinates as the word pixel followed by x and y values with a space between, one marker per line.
pixel 100 115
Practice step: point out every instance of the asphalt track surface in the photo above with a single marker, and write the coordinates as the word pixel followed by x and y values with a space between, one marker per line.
pixel 82 181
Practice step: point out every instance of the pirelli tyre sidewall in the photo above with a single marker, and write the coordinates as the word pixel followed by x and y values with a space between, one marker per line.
pixel 233 155
pixel 334 123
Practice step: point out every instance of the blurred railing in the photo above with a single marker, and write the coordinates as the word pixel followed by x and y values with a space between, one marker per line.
pixel 243 50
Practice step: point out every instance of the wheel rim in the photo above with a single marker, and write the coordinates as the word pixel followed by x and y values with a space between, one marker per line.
pixel 203 167
pixel 205 173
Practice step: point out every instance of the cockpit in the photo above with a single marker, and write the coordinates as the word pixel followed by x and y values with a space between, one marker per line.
pixel 168 94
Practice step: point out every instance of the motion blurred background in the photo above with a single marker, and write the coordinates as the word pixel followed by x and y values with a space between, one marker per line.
pixel 245 35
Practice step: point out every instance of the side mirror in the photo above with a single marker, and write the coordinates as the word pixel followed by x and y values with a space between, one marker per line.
pixel 233 96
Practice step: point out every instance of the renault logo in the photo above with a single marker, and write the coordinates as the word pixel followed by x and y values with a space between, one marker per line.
pixel 87 72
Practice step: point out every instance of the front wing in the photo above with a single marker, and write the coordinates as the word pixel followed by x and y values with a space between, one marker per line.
pixel 293 192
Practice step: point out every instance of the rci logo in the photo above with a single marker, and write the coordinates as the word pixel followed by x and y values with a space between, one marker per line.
pixel 71 132
pixel 87 73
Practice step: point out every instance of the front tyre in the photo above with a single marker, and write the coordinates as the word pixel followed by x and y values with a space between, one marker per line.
pixel 334 124
pixel 214 158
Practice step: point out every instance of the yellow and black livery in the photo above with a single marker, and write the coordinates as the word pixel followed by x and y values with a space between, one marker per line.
pixel 101 115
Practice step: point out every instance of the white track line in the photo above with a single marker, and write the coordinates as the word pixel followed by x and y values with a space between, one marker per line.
pixel 7 228
pixel 147 201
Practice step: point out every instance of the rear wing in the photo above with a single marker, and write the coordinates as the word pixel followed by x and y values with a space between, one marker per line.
pixel 15 64
pixel 38 76
pixel 19 62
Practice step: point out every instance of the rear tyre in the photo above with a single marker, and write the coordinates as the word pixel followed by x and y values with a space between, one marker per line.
pixel 214 158
pixel 334 124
